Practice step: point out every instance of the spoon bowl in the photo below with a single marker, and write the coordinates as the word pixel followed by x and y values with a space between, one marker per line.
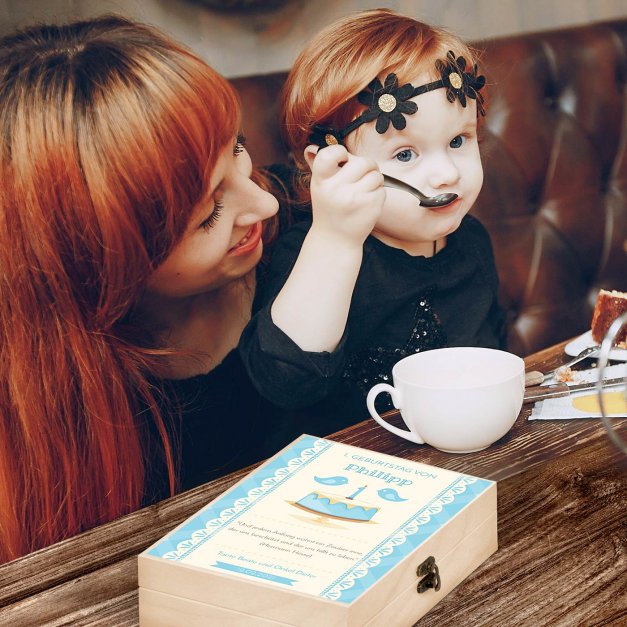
pixel 426 201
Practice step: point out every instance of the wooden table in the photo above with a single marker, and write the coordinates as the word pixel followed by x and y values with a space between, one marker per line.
pixel 562 517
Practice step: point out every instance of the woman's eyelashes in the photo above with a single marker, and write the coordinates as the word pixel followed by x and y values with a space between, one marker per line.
pixel 218 205
pixel 207 223
pixel 240 144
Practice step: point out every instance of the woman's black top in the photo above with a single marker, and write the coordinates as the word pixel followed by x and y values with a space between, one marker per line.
pixel 218 423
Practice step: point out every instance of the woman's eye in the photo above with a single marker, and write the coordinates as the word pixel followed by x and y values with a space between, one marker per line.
pixel 405 155
pixel 457 142
pixel 213 217
pixel 240 143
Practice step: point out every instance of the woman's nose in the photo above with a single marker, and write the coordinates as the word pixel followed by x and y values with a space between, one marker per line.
pixel 257 205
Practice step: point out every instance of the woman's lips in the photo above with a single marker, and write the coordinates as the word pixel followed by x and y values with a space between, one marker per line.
pixel 249 242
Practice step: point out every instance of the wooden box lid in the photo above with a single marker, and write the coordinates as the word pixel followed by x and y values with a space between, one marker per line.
pixel 322 533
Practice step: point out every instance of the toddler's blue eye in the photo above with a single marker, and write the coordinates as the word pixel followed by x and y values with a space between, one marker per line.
pixel 404 155
pixel 457 142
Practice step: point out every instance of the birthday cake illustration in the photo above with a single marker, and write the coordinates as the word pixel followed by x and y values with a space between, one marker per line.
pixel 337 507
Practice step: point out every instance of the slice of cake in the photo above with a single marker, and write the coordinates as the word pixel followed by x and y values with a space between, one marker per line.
pixel 609 305
pixel 337 507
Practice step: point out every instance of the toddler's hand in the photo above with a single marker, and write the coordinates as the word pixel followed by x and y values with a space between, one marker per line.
pixel 347 194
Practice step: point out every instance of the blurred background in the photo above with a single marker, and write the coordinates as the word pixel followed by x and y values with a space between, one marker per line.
pixel 243 37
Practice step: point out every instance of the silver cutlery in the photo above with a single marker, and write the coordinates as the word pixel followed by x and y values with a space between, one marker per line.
pixel 535 377
pixel 585 353
pixel 543 392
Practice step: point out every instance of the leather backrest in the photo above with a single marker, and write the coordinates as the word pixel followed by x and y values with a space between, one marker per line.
pixel 554 196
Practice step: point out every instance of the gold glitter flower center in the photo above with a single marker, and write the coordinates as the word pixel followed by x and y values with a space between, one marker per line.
pixel 387 102
pixel 455 79
pixel 330 139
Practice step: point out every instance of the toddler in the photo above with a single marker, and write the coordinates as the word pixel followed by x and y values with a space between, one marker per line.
pixel 373 276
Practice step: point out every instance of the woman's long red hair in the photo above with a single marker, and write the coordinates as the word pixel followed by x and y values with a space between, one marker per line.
pixel 108 133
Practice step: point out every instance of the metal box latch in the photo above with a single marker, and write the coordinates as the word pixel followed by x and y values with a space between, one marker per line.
pixel 430 574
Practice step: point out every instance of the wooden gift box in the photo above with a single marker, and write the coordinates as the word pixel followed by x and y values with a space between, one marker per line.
pixel 321 534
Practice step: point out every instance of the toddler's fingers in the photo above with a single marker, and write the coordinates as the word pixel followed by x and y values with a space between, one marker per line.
pixel 329 160
pixel 356 169
pixel 372 181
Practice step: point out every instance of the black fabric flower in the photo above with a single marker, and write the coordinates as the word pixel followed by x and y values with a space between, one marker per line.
pixel 387 103
pixel 458 82
pixel 324 136
pixel 390 103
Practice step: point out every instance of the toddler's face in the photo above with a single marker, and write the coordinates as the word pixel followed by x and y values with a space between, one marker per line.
pixel 436 152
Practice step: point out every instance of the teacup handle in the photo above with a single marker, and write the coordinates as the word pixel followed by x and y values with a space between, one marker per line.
pixel 396 399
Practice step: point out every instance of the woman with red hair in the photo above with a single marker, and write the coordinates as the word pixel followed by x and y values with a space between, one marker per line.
pixel 130 228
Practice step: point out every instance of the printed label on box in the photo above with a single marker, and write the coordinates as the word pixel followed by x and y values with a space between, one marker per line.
pixel 322 518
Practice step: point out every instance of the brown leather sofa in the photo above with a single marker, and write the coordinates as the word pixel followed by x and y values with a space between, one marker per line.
pixel 555 158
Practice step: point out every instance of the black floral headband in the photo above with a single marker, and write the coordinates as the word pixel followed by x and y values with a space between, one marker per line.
pixel 390 103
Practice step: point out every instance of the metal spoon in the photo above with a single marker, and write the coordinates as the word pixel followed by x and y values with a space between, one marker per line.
pixel 535 377
pixel 426 201
pixel 587 352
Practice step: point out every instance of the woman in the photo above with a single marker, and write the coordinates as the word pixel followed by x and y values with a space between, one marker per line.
pixel 130 230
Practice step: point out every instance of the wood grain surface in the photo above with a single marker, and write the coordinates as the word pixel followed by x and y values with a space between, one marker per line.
pixel 562 557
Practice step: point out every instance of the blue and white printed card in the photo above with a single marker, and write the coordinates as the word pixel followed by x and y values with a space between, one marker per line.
pixel 321 518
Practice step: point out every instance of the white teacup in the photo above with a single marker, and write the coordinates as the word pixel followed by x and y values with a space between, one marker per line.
pixel 458 400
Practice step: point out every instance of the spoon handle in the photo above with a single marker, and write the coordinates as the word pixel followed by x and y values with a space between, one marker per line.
pixel 426 201
pixel 390 181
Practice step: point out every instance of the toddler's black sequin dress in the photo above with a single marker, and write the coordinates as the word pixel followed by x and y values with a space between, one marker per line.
pixel 401 305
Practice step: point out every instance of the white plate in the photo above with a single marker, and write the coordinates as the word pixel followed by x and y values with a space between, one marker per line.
pixel 584 341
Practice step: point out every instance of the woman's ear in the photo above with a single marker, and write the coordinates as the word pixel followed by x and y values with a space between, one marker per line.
pixel 310 154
